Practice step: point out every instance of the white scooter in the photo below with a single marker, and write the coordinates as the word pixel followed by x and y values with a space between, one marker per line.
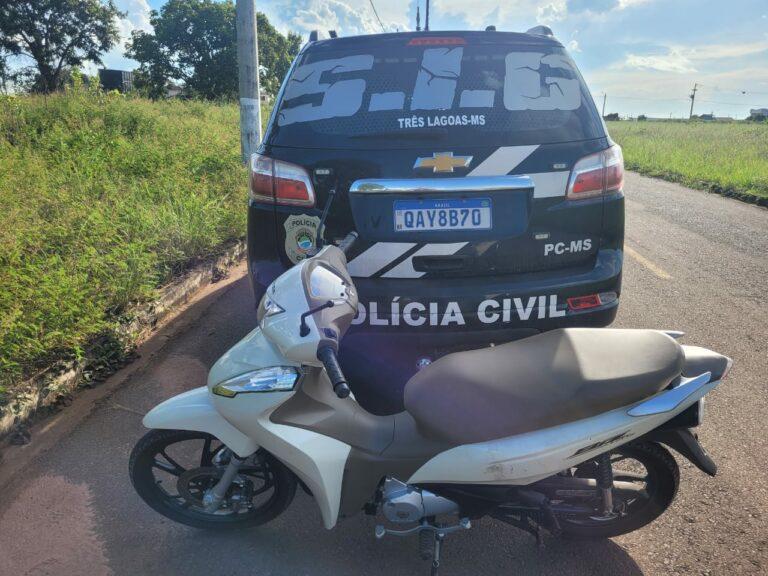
pixel 562 430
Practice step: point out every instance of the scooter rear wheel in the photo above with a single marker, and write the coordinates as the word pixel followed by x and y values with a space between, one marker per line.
pixel 643 462
pixel 171 469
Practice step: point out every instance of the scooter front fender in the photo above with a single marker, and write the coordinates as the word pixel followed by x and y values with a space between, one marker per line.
pixel 194 410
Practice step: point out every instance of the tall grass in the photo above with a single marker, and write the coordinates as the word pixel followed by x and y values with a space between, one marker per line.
pixel 102 199
pixel 728 158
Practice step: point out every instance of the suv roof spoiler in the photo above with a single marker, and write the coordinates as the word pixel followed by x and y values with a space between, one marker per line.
pixel 537 34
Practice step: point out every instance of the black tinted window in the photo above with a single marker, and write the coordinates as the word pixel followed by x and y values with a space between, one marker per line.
pixel 484 94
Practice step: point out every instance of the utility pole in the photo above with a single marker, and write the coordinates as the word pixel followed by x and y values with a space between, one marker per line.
pixel 418 19
pixel 248 76
pixel 426 18
pixel 693 98
pixel 605 97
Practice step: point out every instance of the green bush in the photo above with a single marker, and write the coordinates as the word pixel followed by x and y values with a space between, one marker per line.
pixel 102 199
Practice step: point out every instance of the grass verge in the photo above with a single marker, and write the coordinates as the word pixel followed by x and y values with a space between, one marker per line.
pixel 103 199
pixel 727 158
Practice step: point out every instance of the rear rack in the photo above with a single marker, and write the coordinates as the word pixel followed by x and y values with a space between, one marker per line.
pixel 315 35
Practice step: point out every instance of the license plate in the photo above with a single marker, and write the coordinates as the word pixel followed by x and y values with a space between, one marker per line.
pixel 433 215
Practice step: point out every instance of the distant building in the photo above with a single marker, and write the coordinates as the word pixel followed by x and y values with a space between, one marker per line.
pixel 121 80
pixel 173 90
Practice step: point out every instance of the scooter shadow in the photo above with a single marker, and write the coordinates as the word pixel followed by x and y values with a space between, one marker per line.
pixel 297 544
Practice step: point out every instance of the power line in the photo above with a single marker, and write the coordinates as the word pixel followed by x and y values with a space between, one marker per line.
pixel 729 103
pixel 646 99
pixel 718 90
pixel 377 15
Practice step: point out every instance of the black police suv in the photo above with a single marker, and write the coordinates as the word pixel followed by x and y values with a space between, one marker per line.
pixel 479 175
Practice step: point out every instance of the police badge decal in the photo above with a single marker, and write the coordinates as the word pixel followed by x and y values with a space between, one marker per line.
pixel 300 234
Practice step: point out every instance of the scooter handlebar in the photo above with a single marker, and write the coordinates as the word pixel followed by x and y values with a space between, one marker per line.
pixel 327 356
pixel 347 242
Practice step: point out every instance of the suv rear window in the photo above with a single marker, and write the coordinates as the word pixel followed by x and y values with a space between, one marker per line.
pixel 412 93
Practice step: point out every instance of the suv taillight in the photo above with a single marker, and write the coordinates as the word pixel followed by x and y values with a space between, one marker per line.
pixel 597 174
pixel 279 182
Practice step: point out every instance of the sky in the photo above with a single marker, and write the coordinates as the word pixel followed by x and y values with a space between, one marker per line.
pixel 643 55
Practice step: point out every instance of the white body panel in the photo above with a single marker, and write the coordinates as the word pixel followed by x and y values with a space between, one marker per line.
pixel 193 410
pixel 318 460
pixel 527 458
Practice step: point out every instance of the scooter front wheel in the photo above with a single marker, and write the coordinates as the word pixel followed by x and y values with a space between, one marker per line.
pixel 172 469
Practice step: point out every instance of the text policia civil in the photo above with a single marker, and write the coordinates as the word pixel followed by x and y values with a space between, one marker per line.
pixel 490 311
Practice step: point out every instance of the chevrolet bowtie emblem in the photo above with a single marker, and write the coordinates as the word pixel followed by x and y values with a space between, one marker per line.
pixel 443 162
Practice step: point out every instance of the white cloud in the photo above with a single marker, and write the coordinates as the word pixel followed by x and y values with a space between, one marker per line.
pixel 715 51
pixel 674 61
pixel 623 4
pixel 136 17
pixel 348 18
pixel 506 15
pixel 573 46
pixel 552 12
pixel 685 59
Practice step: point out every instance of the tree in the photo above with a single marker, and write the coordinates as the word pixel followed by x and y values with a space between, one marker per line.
pixel 4 71
pixel 194 41
pixel 58 34
pixel 276 52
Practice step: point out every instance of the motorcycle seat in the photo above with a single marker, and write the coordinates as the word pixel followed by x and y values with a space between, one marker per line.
pixel 540 381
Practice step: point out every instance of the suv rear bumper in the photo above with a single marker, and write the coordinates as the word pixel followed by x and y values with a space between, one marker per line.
pixel 515 303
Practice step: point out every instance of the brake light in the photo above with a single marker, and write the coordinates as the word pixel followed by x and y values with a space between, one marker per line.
pixel 597 174
pixel 438 41
pixel 592 301
pixel 584 302
pixel 280 182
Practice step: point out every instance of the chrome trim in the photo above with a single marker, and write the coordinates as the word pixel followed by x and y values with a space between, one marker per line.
pixel 417 185
pixel 668 400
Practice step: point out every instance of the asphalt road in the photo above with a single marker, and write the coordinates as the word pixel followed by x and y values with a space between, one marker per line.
pixel 697 263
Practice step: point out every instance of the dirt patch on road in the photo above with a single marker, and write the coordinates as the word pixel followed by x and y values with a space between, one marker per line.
pixel 41 526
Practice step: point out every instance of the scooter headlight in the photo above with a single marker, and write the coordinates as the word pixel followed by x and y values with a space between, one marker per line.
pixel 273 379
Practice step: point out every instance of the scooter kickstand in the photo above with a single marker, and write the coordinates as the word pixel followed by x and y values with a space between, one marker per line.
pixel 439 537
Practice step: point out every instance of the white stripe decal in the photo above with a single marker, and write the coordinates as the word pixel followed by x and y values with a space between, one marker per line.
pixel 376 257
pixel 505 159
pixel 549 184
pixel 502 161
pixel 405 268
